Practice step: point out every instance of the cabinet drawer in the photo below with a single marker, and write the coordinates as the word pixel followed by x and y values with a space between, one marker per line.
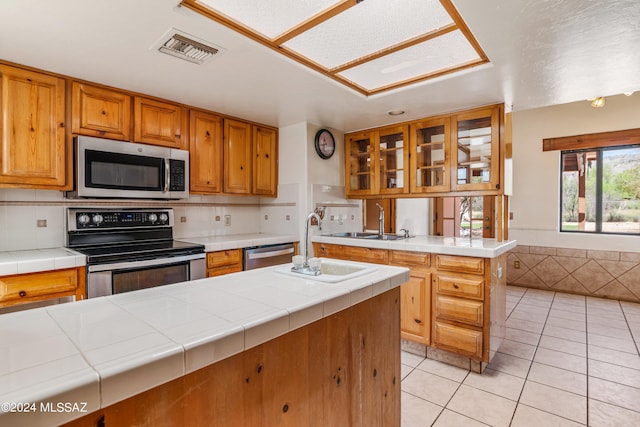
pixel 459 310
pixel 222 258
pixel 461 340
pixel 460 285
pixel 461 264
pixel 25 286
pixel 377 256
pixel 414 259
pixel 219 271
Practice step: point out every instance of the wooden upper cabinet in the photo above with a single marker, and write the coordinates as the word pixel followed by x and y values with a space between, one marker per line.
pixel 475 140
pixel 205 152
pixel 237 157
pixel 392 151
pixel 361 163
pixel 265 161
pixel 160 123
pixel 430 158
pixel 34 151
pixel 100 112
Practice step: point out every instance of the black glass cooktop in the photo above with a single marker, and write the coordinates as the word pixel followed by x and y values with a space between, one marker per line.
pixel 138 251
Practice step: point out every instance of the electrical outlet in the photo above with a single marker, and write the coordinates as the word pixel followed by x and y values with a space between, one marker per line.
pixel 217 217
pixel 227 220
pixel 288 217
pixel 183 219
pixel 516 264
pixel 266 217
pixel 41 223
pixel 511 215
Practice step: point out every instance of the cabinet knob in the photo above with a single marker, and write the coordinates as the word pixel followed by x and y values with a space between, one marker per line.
pixel 207 134
pixel 22 294
pixel 456 286
pixel 177 135
pixel 418 321
pixel 266 155
pixel 104 113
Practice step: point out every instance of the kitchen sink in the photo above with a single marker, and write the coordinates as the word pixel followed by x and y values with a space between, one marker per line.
pixel 330 271
pixel 385 237
pixel 354 235
pixel 371 236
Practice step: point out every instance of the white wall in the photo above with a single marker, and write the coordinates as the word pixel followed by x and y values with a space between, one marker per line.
pixel 413 215
pixel 536 176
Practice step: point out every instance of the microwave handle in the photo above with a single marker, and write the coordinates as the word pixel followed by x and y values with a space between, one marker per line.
pixel 167 175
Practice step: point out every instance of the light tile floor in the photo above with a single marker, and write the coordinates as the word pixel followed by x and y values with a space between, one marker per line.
pixel 567 360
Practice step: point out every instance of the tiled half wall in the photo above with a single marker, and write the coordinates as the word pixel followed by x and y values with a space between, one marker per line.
pixel 607 274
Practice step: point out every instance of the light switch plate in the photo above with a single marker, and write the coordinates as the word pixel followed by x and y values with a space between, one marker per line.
pixel 227 220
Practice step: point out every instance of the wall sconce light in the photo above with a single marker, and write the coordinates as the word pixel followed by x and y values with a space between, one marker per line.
pixel 597 102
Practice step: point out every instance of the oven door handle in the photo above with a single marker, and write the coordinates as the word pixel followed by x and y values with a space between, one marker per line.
pixel 143 263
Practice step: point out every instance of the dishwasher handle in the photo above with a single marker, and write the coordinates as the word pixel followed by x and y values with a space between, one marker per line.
pixel 259 255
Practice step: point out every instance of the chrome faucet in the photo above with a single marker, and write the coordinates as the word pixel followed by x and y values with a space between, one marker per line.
pixel 380 220
pixel 306 236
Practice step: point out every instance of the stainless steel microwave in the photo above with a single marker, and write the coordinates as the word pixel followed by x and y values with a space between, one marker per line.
pixel 117 169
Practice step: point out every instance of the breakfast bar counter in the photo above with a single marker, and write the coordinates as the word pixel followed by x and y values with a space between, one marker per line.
pixel 90 360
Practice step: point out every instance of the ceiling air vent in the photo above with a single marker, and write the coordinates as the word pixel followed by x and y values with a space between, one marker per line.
pixel 186 48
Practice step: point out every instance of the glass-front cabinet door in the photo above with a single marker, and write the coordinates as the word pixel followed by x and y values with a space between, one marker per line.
pixel 430 160
pixel 394 156
pixel 475 144
pixel 360 163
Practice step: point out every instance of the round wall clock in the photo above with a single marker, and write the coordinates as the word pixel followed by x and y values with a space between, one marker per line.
pixel 325 144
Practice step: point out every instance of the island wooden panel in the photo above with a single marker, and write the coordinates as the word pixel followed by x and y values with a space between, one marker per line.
pixel 341 370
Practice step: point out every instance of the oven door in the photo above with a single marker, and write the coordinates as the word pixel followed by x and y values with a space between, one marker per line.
pixel 109 279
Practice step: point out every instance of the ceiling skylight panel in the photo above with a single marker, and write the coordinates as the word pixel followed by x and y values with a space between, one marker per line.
pixel 269 17
pixel 442 53
pixel 368 27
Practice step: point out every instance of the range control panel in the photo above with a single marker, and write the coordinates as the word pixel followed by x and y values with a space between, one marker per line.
pixel 85 219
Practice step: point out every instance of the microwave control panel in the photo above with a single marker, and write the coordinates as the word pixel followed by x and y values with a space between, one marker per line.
pixel 177 171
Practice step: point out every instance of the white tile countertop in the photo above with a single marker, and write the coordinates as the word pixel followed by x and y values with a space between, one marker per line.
pixel 485 248
pixel 96 352
pixel 235 241
pixel 30 261
pixel 34 260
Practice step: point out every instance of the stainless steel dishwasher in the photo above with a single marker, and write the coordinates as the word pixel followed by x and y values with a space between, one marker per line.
pixel 264 256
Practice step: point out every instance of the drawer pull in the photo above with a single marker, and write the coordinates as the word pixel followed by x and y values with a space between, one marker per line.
pixel 22 294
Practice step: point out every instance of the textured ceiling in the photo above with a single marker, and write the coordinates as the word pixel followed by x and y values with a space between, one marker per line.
pixel 542 53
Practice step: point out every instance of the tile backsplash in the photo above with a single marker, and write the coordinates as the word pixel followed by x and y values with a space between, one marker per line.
pixel 608 274
pixel 22 211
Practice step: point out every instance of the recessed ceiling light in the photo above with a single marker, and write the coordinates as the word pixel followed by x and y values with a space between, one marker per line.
pixel 597 102
pixel 395 112
pixel 628 93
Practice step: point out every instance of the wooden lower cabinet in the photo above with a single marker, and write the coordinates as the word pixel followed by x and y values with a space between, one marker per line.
pixel 31 287
pixel 224 262
pixel 459 340
pixel 455 303
pixel 342 370
pixel 415 307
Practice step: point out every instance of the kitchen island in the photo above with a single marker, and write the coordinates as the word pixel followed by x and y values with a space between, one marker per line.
pixel 453 308
pixel 250 348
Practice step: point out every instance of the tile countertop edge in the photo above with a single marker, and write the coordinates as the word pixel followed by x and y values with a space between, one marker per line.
pixel 39 260
pixel 239 241
pixel 484 248
pixel 383 279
